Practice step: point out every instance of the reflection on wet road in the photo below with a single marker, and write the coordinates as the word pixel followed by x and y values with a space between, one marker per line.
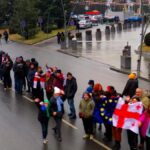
pixel 109 49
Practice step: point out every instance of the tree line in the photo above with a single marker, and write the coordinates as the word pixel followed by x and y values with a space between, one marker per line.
pixel 27 17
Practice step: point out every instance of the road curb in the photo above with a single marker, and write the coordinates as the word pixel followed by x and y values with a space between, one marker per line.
pixel 68 53
pixel 127 72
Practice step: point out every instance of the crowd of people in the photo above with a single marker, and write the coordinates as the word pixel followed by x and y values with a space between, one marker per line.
pixel 96 106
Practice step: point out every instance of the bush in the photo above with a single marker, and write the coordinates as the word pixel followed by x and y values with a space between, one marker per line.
pixel 147 39
pixel 29 33
pixel 54 27
pixel 47 29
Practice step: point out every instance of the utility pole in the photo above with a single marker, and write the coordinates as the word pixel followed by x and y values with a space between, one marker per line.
pixel 141 43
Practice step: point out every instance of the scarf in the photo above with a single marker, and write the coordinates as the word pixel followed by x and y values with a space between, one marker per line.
pixel 59 103
pixel 47 108
pixel 37 78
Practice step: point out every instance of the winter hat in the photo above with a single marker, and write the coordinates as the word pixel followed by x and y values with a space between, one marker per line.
pixel 58 91
pixel 46 101
pixel 132 76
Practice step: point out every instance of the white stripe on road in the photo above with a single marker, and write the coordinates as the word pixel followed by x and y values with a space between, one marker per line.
pixel 101 144
pixel 29 99
pixel 69 124
pixel 94 140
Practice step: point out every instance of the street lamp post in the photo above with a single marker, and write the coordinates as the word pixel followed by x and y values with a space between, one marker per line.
pixel 65 26
pixel 141 43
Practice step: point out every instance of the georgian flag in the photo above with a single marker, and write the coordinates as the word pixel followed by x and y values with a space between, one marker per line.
pixel 126 116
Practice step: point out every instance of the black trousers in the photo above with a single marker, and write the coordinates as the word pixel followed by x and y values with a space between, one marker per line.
pixel 7 81
pixel 44 125
pixel 147 143
pixel 108 131
pixel 88 125
pixel 58 121
pixel 132 140
pixel 49 95
pixel 38 93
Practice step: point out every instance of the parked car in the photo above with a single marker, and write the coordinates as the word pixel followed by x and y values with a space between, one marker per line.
pixel 83 17
pixel 83 24
pixel 94 20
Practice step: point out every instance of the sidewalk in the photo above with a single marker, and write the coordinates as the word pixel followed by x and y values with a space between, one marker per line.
pixel 109 51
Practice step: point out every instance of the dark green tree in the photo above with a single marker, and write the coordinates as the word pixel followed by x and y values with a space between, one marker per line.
pixel 52 12
pixel 6 11
pixel 24 19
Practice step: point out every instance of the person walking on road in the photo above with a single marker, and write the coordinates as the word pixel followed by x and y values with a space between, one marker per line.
pixel 70 91
pixel 131 86
pixel 57 110
pixel 6 36
pixel 86 108
pixel 58 37
pixel 43 117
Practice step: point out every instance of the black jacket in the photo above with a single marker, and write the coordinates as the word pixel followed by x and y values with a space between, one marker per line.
pixel 130 88
pixel 70 88
pixel 19 70
pixel 54 108
pixel 42 115
pixel 7 68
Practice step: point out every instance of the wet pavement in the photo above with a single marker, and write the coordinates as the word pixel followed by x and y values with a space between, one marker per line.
pixel 109 49
pixel 19 128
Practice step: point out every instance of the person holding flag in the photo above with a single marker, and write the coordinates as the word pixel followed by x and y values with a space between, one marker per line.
pixel 132 134
pixel 126 116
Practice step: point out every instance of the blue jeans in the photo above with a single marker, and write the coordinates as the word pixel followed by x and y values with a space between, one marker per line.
pixel 18 85
pixel 72 107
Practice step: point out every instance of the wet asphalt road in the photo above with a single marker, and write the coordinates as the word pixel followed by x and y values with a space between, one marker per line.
pixel 19 128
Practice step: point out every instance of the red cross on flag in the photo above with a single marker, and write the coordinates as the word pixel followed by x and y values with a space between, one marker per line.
pixel 126 116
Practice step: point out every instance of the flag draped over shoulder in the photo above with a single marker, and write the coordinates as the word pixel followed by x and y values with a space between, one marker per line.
pixel 104 110
pixel 126 116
